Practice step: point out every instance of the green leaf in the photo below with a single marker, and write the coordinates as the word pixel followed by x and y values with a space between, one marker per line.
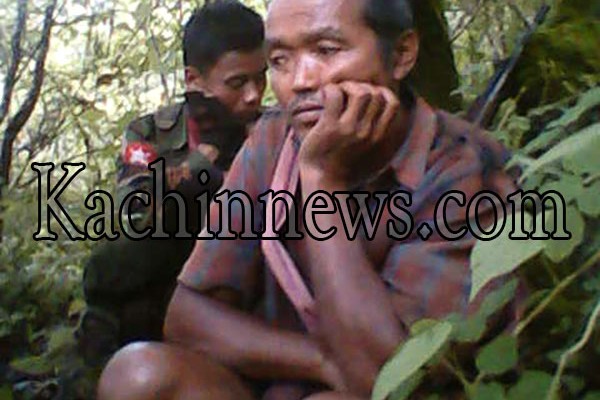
pixel 585 161
pixel 408 387
pixel 532 385
pixel 588 138
pixel 61 339
pixel 499 356
pixel 490 391
pixel 498 298
pixel 472 329
pixel 492 259
pixel 589 200
pixel 592 396
pixel 36 366
pixel 413 355
pixel 544 140
pixel 421 326
pixel 6 393
pixel 569 186
pixel 575 383
pixel 143 11
pixel 558 250
pixel 586 102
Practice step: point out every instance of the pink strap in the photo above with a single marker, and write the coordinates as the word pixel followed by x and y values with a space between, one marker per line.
pixel 279 261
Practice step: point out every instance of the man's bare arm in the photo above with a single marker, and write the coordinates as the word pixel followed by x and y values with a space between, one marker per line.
pixel 357 315
pixel 358 319
pixel 244 343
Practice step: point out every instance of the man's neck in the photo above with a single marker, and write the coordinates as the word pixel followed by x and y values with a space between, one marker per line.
pixel 402 125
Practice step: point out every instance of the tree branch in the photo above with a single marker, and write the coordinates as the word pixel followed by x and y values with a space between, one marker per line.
pixel 566 357
pixel 565 283
pixel 22 116
pixel 16 54
pixel 466 22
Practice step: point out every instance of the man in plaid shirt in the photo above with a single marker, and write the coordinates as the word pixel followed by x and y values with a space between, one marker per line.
pixel 313 318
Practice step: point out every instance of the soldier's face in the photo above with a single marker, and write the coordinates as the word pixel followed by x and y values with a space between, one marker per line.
pixel 237 80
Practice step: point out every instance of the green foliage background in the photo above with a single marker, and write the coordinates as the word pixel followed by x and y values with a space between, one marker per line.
pixel 110 61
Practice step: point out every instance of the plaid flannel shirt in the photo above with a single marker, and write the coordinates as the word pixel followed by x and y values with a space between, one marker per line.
pixel 441 153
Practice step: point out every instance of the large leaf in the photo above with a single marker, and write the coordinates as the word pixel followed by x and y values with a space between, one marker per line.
pixel 490 391
pixel 569 186
pixel 36 366
pixel 558 250
pixel 408 387
pixel 473 328
pixel 589 200
pixel 499 356
pixel 589 138
pixel 532 385
pixel 588 101
pixel 413 355
pixel 492 259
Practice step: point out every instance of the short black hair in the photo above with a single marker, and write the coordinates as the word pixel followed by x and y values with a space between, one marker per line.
pixel 219 27
pixel 389 19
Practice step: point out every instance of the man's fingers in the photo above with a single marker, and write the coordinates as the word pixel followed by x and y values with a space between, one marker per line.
pixel 333 99
pixel 374 111
pixel 359 109
pixel 359 97
pixel 390 110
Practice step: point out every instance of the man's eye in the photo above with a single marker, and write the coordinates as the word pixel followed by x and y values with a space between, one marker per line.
pixel 328 50
pixel 277 61
pixel 237 83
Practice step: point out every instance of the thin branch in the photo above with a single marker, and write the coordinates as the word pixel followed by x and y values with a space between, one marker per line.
pixel 591 263
pixel 76 157
pixel 16 51
pixel 564 359
pixel 519 13
pixel 163 78
pixel 83 18
pixel 463 26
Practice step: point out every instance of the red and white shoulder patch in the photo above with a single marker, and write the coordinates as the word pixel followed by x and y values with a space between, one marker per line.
pixel 139 153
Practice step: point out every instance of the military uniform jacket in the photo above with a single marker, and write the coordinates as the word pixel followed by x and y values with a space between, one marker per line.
pixel 164 135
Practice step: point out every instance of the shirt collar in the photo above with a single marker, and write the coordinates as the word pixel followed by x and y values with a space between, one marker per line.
pixel 410 162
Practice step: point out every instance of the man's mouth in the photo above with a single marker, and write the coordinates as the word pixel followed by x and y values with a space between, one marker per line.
pixel 306 113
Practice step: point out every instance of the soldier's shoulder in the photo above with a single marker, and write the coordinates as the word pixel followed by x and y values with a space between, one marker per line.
pixel 164 119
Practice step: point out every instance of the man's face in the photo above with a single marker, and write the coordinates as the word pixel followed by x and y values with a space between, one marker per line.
pixel 311 43
pixel 237 80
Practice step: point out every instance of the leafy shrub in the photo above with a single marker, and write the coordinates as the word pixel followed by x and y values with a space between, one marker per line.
pixel 553 352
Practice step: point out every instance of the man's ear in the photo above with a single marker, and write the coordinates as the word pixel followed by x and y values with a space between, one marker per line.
pixel 194 80
pixel 406 52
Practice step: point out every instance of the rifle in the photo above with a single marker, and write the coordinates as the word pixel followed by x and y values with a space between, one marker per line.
pixel 484 108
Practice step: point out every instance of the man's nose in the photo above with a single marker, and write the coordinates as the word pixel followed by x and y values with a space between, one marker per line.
pixel 251 94
pixel 306 75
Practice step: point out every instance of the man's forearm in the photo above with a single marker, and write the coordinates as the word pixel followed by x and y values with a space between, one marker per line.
pixel 242 342
pixel 355 308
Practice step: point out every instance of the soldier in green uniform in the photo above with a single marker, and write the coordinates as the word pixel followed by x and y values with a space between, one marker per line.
pixel 128 283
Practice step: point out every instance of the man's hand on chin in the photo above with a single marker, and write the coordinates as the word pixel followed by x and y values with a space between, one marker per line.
pixel 352 142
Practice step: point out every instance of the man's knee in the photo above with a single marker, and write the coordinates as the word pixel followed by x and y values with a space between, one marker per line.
pixel 137 372
pixel 161 371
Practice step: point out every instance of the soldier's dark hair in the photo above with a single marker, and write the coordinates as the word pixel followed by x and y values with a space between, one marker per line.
pixel 389 19
pixel 217 28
